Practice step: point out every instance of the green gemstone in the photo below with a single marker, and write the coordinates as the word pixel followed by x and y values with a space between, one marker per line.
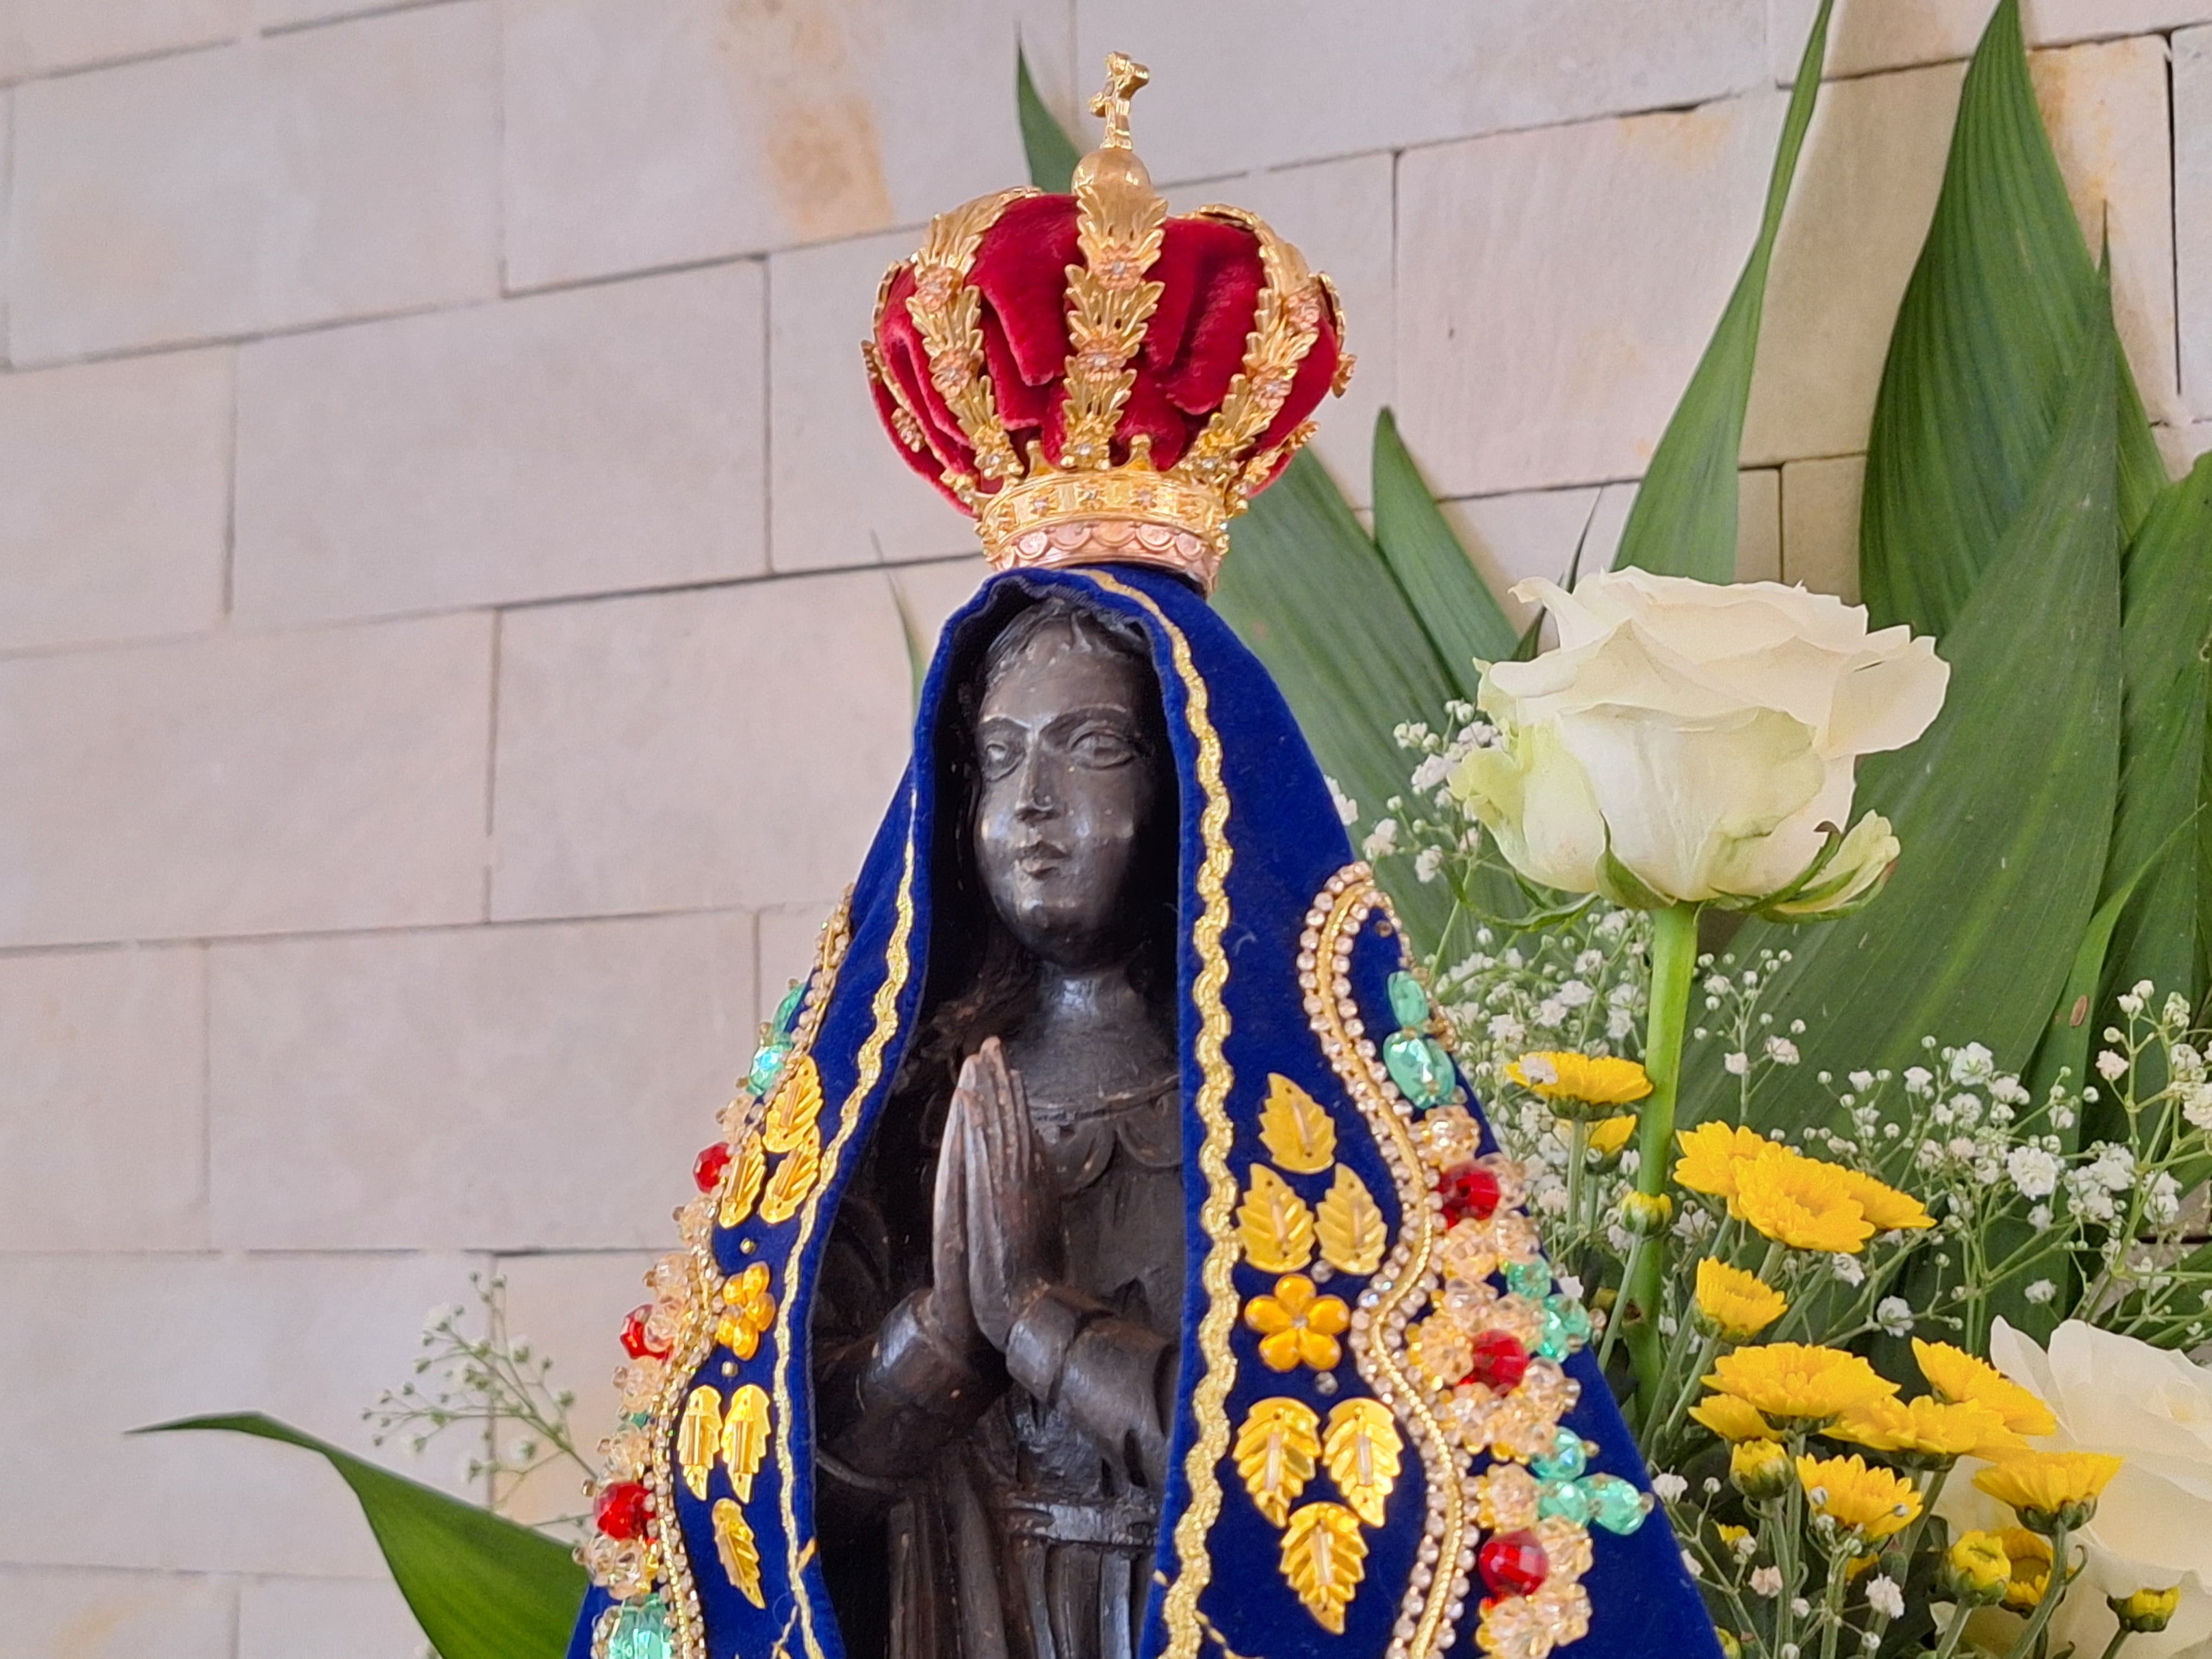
pixel 1565 1500
pixel 639 1419
pixel 641 1632
pixel 786 1011
pixel 1420 1066
pixel 1530 1279
pixel 1574 1318
pixel 1565 1461
pixel 1614 1503
pixel 1408 1001
pixel 767 1061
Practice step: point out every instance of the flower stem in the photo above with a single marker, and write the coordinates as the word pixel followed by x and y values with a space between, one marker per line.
pixel 1954 1630
pixel 1674 964
pixel 2054 1590
pixel 2119 1636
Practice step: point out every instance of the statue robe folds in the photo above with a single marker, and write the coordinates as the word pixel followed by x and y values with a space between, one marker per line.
pixel 1326 1492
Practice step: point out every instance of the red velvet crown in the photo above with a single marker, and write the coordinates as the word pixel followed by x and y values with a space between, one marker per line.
pixel 1093 380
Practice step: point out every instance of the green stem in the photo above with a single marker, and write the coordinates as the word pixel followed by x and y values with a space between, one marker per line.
pixel 1673 965
pixel 2112 1647
pixel 2054 1590
pixel 1578 1155
pixel 1954 1630
pixel 1832 1604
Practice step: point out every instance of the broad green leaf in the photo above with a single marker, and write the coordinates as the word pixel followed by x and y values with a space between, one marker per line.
pixel 1683 519
pixel 2004 809
pixel 1315 599
pixel 481 1587
pixel 1454 605
pixel 1051 153
pixel 1996 308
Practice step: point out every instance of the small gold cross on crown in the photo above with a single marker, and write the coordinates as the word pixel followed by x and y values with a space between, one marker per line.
pixel 1123 78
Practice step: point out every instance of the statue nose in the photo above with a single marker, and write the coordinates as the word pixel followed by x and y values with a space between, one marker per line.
pixel 1040 792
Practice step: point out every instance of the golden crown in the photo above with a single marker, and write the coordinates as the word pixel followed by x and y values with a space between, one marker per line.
pixel 1055 465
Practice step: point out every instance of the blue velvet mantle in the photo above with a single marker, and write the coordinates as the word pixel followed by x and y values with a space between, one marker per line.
pixel 1253 799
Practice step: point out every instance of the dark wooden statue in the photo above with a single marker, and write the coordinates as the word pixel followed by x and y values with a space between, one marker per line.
pixel 1000 1323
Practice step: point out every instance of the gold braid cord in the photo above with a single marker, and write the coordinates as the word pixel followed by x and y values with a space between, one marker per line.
pixel 946 310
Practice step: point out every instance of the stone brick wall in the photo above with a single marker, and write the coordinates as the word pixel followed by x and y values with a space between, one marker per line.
pixel 448 650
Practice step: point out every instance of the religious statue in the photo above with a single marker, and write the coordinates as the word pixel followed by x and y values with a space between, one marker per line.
pixel 1102 1258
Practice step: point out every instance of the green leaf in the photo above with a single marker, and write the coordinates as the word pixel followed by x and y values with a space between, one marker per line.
pixel 1995 314
pixel 1052 154
pixel 1683 522
pixel 481 1587
pixel 1455 607
pixel 1317 601
pixel 2004 809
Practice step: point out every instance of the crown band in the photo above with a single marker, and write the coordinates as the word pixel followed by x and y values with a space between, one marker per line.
pixel 1126 513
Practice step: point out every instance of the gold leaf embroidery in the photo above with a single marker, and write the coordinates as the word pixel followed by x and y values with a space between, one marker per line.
pixel 1362 1449
pixel 1351 1225
pixel 792 1109
pixel 1324 1559
pixel 696 1433
pixel 794 1179
pixel 745 1438
pixel 1277 1227
pixel 740 1553
pixel 746 1184
pixel 1297 1128
pixel 1275 1453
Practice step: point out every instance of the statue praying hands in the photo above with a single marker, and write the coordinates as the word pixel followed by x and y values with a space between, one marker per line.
pixel 996 1365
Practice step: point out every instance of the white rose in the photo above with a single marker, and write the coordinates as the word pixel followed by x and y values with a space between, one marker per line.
pixel 2153 1529
pixel 1704 734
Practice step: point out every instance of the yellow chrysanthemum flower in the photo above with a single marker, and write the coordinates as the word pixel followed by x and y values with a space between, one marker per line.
pixel 1802 1202
pixel 1886 1209
pixel 1798 1382
pixel 2029 1556
pixel 1979 1564
pixel 1589 1079
pixel 1759 1470
pixel 2146 1612
pixel 2044 1488
pixel 1732 1419
pixel 1927 1427
pixel 1608 1135
pixel 1713 1153
pixel 1739 1304
pixel 1956 1375
pixel 1875 1502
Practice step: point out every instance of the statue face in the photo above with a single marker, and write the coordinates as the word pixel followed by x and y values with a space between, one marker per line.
pixel 1069 778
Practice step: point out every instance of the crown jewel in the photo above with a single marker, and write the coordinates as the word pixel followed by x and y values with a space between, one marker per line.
pixel 1093 380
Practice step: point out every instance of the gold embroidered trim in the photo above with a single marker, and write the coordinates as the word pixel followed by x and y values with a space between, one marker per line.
pixel 1209 1400
pixel 945 309
pixel 897 966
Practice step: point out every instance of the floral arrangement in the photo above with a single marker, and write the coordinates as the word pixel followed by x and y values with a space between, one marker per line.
pixel 1818 1320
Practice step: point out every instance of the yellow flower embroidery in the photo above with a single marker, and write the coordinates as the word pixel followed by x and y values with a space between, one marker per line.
pixel 1299 1325
pixel 752 1311
pixel 1875 1502
pixel 1739 1305
pixel 1732 1419
pixel 1956 1375
pixel 1802 1202
pixel 2044 1483
pixel 1795 1380
pixel 1712 1155
pixel 1584 1079
pixel 1927 1427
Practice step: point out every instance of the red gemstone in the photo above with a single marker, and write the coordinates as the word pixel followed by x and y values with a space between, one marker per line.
pixel 636 1343
pixel 1469 1193
pixel 707 1169
pixel 1514 1563
pixel 1500 1361
pixel 622 1509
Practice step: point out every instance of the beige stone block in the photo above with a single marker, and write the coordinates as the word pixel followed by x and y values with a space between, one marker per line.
pixel 334 172
pixel 528 1087
pixel 1759 525
pixel 38 36
pixel 571 1308
pixel 610 437
pixel 1821 523
pixel 1865 35
pixel 1242 85
pixel 243 783
pixel 1865 192
pixel 115 519
pixel 1339 216
pixel 2182 445
pixel 328 1618
pixel 125 1340
pixel 2192 210
pixel 651 132
pixel 78 1615
pixel 1513 538
pixel 105 1053
pixel 1556 289
pixel 731 747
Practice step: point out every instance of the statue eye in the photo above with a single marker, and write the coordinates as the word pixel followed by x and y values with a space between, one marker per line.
pixel 996 757
pixel 1102 746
